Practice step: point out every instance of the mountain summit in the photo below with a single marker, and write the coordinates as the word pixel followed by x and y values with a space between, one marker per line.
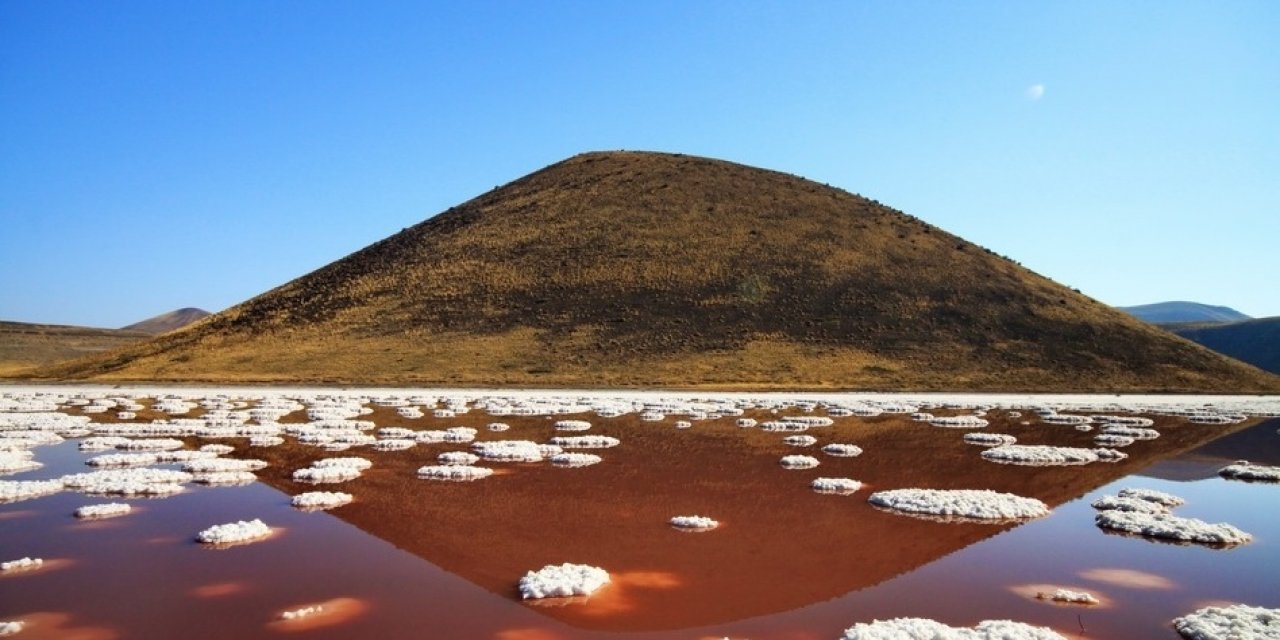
pixel 652 269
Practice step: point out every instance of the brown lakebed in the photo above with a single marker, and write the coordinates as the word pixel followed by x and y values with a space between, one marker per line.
pixel 780 549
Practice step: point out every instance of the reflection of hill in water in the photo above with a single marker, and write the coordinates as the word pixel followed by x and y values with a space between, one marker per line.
pixel 1259 444
pixel 780 547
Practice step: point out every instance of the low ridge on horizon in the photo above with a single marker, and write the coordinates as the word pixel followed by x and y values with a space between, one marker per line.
pixel 667 270
pixel 1175 311
pixel 170 321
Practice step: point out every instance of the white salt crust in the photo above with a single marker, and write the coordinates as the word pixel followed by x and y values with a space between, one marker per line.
pixel 17 490
pixel 21 564
pixel 800 441
pixel 320 499
pixel 836 486
pixel 17 462
pixel 1137 433
pixel 222 465
pixel 1151 495
pixel 1068 596
pixel 1040 455
pixel 235 532
pixel 842 450
pixel 959 422
pixel 508 451
pixel 109 510
pixel 575 459
pixel 585 442
pixel 457 458
pixel 1235 622
pixel 302 613
pixel 572 425
pixel 1242 470
pixel 989 439
pixel 456 473
pixel 922 629
pixel 966 503
pixel 698 523
pixel 325 475
pixel 1170 527
pixel 11 627
pixel 225 478
pixel 1121 503
pixel 121 460
pixel 798 462
pixel 1110 440
pixel 562 581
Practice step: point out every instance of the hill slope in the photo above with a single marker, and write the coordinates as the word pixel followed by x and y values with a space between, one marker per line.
pixel 24 345
pixel 166 322
pixel 655 269
pixel 1254 341
pixel 1169 312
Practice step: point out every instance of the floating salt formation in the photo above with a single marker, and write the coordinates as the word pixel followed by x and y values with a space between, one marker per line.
pixel 1235 622
pixel 314 500
pixel 746 423
pixel 222 465
pixel 684 424
pixel 959 422
pixel 139 481
pixel 21 564
pixel 457 458
pixel 235 532
pixel 1068 596
pixel 1170 527
pixel 10 627
pixel 800 441
pixel 457 473
pixel 923 629
pixel 326 475
pixel 1112 440
pixel 1040 455
pixel 303 612
pixel 842 450
pixel 394 444
pixel 835 486
pixel 989 439
pixel 966 503
pixel 266 441
pixel 508 451
pixel 1109 455
pixel 109 510
pixel 1151 495
pixel 798 462
pixel 694 523
pixel 183 455
pixel 585 442
pixel 498 426
pixel 575 459
pixel 562 581
pixel 1120 503
pixel 359 464
pixel 1242 470
pixel 219 449
pixel 17 462
pixel 120 460
pixel 572 425
pixel 1130 432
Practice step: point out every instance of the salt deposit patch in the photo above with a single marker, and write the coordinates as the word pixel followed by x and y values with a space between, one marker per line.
pixel 959 422
pixel 694 523
pixel 835 486
pixel 585 442
pixel 1040 455
pixel 1068 596
pixel 1236 622
pixel 21 564
pixel 979 504
pixel 325 475
pixel 1120 503
pixel 1242 470
pixel 800 441
pixel 109 510
pixel 10 627
pixel 225 478
pixel 222 465
pixel 1167 526
pixel 798 462
pixel 842 450
pixel 562 581
pixel 1111 440
pixel 233 533
pixel 575 459
pixel 923 629
pixel 1151 495
pixel 17 462
pixel 508 451
pixel 315 500
pixel 456 473
pixel 457 458
pixel 572 425
pixel 18 490
pixel 989 439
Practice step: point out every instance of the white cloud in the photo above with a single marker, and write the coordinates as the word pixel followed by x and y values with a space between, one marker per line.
pixel 1035 92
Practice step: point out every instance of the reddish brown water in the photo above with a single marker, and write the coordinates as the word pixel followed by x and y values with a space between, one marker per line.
pixel 787 564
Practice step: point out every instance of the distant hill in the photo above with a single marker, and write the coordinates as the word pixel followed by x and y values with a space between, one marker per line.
pixel 1254 341
pixel 664 270
pixel 1169 312
pixel 166 322
pixel 25 346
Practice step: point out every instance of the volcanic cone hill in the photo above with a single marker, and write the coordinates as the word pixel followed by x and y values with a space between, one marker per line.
pixel 628 268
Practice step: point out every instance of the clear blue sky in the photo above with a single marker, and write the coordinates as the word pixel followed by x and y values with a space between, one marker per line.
pixel 156 155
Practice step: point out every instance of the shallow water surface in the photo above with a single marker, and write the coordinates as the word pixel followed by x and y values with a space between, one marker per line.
pixel 786 563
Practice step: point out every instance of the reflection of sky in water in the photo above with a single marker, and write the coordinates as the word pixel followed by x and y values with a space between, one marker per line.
pixel 144 577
